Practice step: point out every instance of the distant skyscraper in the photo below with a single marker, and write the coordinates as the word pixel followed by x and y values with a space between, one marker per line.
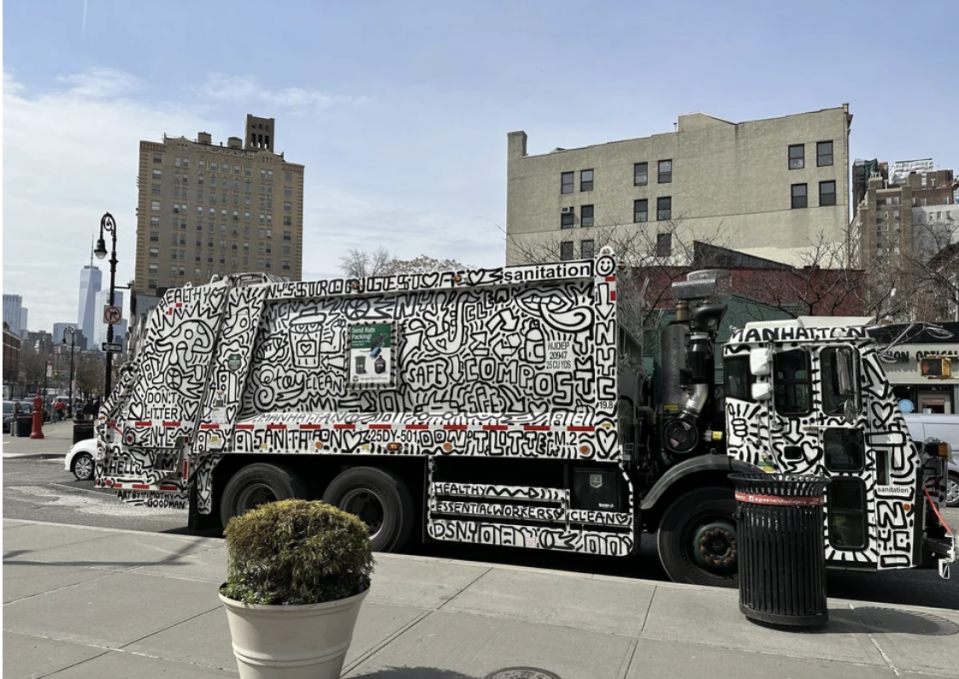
pixel 87 315
pixel 101 300
pixel 11 312
pixel 23 321
pixel 58 329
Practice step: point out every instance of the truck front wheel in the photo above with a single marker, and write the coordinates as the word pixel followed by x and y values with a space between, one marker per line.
pixel 379 499
pixel 258 484
pixel 697 538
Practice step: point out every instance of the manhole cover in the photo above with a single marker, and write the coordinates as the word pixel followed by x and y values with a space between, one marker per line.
pixel 522 673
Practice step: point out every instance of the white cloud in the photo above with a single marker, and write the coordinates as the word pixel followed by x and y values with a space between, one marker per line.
pixel 246 90
pixel 70 154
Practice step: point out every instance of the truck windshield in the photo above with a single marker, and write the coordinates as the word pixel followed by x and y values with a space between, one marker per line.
pixel 791 382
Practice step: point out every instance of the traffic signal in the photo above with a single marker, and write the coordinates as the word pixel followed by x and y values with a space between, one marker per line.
pixel 936 367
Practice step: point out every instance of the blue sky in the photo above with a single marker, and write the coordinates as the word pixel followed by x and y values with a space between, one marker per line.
pixel 400 110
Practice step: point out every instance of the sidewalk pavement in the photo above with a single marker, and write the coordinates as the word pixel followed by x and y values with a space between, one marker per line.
pixel 57 439
pixel 90 602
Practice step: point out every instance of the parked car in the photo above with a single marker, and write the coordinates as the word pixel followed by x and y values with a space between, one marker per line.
pixel 924 426
pixel 80 460
pixel 8 416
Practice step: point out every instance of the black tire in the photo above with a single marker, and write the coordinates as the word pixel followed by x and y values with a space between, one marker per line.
pixel 258 484
pixel 952 477
pixel 688 516
pixel 85 472
pixel 387 506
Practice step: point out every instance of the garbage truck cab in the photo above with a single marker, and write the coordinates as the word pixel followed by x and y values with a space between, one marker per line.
pixel 810 396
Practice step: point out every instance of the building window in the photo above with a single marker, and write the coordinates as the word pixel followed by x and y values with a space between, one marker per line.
pixel 798 196
pixel 566 220
pixel 586 215
pixel 587 249
pixel 287 249
pixel 236 169
pixel 287 235
pixel 158 174
pixel 640 174
pixel 154 236
pixel 797 157
pixel 247 170
pixel 287 221
pixel 586 180
pixel 213 167
pixel 287 176
pixel 664 244
pixel 827 193
pixel 177 161
pixel 566 182
pixel 665 171
pixel 153 268
pixel 288 191
pixel 566 250
pixel 823 153
pixel 286 265
pixel 157 158
pixel 155 205
pixel 287 207
pixel 154 252
pixel 640 211
pixel 154 221
pixel 664 208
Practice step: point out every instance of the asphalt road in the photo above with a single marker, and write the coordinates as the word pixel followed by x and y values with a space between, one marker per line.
pixel 41 490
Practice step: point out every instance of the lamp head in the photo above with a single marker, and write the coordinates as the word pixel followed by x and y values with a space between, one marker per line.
pixel 101 249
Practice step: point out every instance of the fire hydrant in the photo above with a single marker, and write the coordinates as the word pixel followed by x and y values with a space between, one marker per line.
pixel 37 432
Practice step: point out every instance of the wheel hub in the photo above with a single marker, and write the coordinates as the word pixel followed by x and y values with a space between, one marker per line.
pixel 952 492
pixel 253 496
pixel 714 547
pixel 367 507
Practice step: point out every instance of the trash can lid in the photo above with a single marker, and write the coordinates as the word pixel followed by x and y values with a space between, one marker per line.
pixel 784 485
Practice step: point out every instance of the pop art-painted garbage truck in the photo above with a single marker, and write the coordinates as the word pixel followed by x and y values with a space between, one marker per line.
pixel 510 407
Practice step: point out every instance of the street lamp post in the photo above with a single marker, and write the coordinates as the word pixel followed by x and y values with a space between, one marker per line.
pixel 71 333
pixel 107 223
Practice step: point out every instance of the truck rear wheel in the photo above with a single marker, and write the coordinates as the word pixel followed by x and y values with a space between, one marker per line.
pixel 697 538
pixel 380 499
pixel 258 484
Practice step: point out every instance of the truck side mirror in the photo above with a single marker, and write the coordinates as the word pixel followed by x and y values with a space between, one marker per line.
pixel 761 391
pixel 759 361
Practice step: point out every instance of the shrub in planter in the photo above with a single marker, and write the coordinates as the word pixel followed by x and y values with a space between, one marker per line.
pixel 297 574
pixel 295 552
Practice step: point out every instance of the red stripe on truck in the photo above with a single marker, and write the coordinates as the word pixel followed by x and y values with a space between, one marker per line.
pixel 344 426
pixel 418 427
pixel 276 426
pixel 455 427
pixel 610 279
pixel 143 423
pixel 171 423
pixel 244 426
pixel 140 486
pixel 495 427
pixel 311 426
pixel 578 428
pixel 209 426
pixel 381 426
pixel 536 427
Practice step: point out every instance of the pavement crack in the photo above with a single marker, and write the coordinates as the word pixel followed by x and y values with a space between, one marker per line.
pixel 875 641
pixel 649 607
pixel 471 583
pixel 386 642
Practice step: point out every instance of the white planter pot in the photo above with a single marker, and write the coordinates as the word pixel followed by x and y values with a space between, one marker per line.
pixel 292 642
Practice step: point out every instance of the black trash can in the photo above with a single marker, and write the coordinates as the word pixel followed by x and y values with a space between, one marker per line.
pixel 24 425
pixel 781 545
pixel 82 430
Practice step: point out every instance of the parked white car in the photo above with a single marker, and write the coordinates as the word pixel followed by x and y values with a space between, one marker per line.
pixel 80 460
pixel 924 426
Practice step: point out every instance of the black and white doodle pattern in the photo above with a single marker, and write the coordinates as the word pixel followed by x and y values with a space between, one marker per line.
pixel 891 509
pixel 518 362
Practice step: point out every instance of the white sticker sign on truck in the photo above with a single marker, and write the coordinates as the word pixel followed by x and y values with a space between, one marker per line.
pixel 559 356
pixel 371 355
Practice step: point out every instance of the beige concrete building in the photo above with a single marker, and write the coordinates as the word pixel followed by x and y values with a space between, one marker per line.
pixel 764 187
pixel 206 209
pixel 904 216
